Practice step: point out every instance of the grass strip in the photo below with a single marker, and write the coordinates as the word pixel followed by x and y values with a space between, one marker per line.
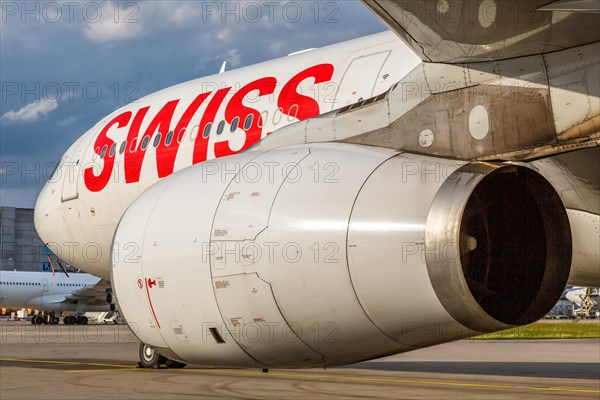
pixel 547 330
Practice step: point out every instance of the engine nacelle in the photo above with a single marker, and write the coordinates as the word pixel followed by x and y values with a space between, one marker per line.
pixel 332 253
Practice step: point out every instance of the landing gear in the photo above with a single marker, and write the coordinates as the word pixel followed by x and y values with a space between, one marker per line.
pixel 150 358
pixel 75 320
pixel 174 364
pixel 45 318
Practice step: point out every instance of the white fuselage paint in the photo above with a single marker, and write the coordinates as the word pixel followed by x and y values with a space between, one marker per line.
pixel 79 223
pixel 41 290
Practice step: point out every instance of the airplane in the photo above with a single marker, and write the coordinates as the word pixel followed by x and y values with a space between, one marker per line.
pixel 397 191
pixel 77 292
pixel 587 299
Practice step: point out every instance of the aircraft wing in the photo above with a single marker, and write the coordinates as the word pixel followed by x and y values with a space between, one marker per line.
pixel 454 31
pixel 92 294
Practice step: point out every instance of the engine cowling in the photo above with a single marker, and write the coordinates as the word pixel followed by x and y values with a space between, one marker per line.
pixel 332 253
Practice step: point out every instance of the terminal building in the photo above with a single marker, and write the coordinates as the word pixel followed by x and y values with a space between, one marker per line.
pixel 21 248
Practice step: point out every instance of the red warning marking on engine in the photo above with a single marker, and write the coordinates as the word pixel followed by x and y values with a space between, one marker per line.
pixel 221 284
pixel 150 282
pixel 231 196
pixel 140 283
pixel 220 232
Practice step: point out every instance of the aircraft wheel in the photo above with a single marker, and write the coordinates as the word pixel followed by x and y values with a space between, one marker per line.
pixel 39 319
pixel 55 320
pixel 69 320
pixel 174 364
pixel 150 358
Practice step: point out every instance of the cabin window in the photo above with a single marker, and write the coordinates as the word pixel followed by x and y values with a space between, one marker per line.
pixel 103 151
pixel 277 116
pixel 234 124
pixel 194 133
pixel 206 132
pixel 248 122
pixel 293 113
pixel 113 149
pixel 220 127
pixel 180 135
pixel 262 118
pixel 123 147
pixel 145 142
pixel 169 138
pixel 133 145
pixel 157 140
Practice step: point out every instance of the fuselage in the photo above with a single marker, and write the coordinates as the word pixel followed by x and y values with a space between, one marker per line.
pixel 41 290
pixel 129 150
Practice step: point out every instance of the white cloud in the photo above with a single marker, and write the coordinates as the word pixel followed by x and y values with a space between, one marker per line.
pixel 276 47
pixel 112 26
pixel 68 121
pixel 225 35
pixel 31 112
pixel 183 14
pixel 234 58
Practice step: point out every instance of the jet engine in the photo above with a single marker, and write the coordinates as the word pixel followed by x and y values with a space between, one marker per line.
pixel 329 254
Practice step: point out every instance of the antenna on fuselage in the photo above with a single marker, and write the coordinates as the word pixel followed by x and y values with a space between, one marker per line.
pixel 223 67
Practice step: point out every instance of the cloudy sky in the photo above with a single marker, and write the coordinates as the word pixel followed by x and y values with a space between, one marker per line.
pixel 65 65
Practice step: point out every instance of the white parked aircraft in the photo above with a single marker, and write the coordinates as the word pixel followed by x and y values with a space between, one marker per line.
pixel 289 213
pixel 54 294
pixel 586 299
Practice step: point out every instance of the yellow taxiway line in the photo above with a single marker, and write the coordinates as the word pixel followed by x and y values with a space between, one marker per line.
pixel 274 374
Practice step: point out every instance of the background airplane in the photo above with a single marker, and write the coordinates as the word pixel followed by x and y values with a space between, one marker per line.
pixel 586 299
pixel 53 295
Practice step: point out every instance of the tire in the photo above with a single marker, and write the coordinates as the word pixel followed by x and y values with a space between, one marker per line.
pixel 112 307
pixel 82 320
pixel 174 364
pixel 109 298
pixel 69 320
pixel 39 320
pixel 54 320
pixel 150 358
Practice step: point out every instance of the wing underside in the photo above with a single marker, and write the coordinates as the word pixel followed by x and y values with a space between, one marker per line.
pixel 455 31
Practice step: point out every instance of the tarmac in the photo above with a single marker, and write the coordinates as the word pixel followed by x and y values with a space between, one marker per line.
pixel 98 362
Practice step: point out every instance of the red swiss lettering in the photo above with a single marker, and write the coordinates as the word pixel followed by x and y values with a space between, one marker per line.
pixel 134 157
pixel 96 183
pixel 165 155
pixel 236 108
pixel 297 105
pixel 201 143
